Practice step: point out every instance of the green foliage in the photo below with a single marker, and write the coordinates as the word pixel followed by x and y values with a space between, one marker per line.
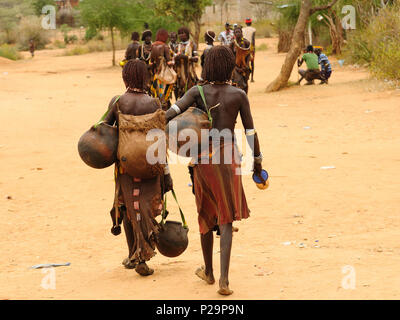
pixel 11 13
pixel 157 22
pixel 184 11
pixel 65 29
pixel 39 4
pixel 386 59
pixel 9 52
pixel 109 14
pixel 90 33
pixel 378 44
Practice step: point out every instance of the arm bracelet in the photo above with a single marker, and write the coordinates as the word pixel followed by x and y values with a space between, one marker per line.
pixel 176 108
pixel 259 158
pixel 166 170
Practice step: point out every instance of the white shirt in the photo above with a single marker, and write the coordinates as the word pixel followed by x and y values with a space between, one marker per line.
pixel 248 33
pixel 226 39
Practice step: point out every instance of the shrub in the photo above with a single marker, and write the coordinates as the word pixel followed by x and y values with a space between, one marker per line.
pixel 378 45
pixel 386 60
pixel 59 44
pixel 79 50
pixel 262 47
pixel 9 52
pixel 30 28
pixel 90 34
pixel 97 46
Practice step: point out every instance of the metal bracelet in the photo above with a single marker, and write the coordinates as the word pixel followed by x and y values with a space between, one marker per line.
pixel 258 159
pixel 176 108
pixel 166 170
pixel 250 132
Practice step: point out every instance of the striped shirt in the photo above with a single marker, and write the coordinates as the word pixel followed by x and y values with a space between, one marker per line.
pixel 324 62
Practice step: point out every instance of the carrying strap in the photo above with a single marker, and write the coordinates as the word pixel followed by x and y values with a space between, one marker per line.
pixel 180 210
pixel 106 114
pixel 116 196
pixel 205 103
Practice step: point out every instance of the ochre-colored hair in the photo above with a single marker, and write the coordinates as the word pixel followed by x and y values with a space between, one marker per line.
pixel 219 64
pixel 162 35
pixel 135 74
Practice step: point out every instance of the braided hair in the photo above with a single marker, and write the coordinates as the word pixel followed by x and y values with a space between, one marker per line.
pixel 135 74
pixel 209 36
pixel 162 35
pixel 145 34
pixel 184 30
pixel 219 64
pixel 135 36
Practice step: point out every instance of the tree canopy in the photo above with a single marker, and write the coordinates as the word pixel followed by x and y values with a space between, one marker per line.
pixel 184 11
pixel 109 15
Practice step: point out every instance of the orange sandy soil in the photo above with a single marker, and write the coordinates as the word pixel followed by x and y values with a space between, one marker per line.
pixel 59 207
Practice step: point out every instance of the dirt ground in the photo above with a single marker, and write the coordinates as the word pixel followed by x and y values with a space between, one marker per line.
pixel 309 225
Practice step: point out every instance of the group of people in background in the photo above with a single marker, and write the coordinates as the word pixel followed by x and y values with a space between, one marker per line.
pixel 314 59
pixel 177 51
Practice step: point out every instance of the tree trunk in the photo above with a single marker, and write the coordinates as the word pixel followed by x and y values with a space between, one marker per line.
pixel 297 42
pixel 113 45
pixel 336 32
pixel 295 48
pixel 197 27
pixel 285 38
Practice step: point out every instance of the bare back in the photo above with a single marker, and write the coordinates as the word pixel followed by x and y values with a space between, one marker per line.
pixel 225 102
pixel 159 50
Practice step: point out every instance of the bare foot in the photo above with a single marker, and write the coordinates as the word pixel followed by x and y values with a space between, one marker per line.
pixel 201 273
pixel 224 288
pixel 234 229
pixel 129 264
pixel 143 269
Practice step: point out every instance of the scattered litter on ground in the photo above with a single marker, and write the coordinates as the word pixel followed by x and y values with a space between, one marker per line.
pixel 307 128
pixel 261 274
pixel 328 167
pixel 368 111
pixel 51 265
pixel 287 243
pixel 9 198
pixel 302 245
